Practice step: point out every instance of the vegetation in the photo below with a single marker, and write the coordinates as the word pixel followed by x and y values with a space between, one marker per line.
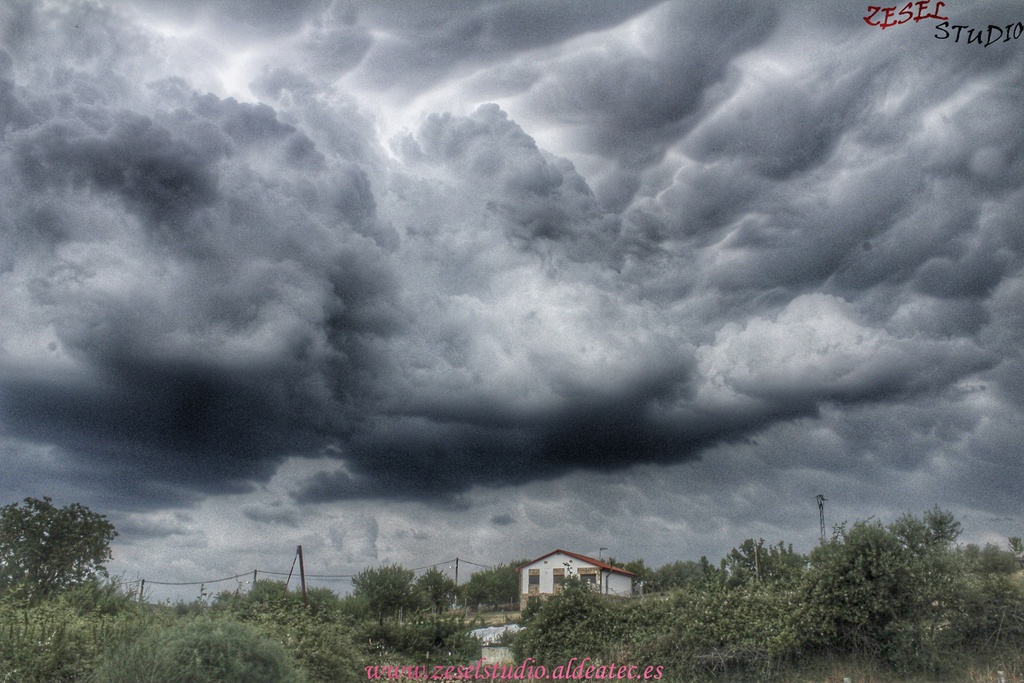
pixel 388 591
pixel 898 600
pixel 493 587
pixel 45 549
pixel 439 592
pixel 885 602
pixel 199 651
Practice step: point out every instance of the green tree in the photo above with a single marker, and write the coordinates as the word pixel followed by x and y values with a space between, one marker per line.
pixel 889 591
pixel 937 529
pixel 439 591
pixel 681 573
pixel 753 561
pixel 990 560
pixel 424 639
pixel 496 586
pixel 387 590
pixel 576 622
pixel 45 549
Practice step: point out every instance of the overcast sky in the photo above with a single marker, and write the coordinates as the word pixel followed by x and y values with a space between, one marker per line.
pixel 404 281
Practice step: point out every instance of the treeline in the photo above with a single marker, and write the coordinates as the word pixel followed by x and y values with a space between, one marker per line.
pixel 63 619
pixel 877 601
pixel 393 590
pixel 901 599
pixel 96 633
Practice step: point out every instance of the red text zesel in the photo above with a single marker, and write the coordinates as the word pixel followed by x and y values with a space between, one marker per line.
pixel 884 17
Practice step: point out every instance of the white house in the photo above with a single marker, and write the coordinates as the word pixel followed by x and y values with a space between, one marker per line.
pixel 544 576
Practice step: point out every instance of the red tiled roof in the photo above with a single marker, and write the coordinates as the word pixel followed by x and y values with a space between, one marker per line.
pixel 584 558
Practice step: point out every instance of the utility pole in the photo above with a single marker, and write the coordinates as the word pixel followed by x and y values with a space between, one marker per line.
pixel 302 576
pixel 456 571
pixel 821 514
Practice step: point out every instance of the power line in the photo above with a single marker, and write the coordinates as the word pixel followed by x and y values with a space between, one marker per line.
pixel 484 566
pixel 288 574
pixel 437 564
pixel 192 583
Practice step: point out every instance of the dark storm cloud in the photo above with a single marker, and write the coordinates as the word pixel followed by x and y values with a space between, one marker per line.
pixel 429 455
pixel 503 520
pixel 203 287
pixel 13 113
pixel 239 298
pixel 843 176
pixel 186 424
pixel 276 513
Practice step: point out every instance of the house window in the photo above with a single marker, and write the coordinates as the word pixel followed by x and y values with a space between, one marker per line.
pixel 557 578
pixel 533 584
pixel 588 575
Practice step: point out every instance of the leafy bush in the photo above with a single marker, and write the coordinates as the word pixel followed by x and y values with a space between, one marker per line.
pixel 388 590
pixel 679 574
pixel 879 600
pixel 198 651
pixel 60 640
pixel 98 598
pixel 318 635
pixel 434 639
pixel 577 622
pixel 991 559
pixel 992 611
pixel 714 629
pixel 496 586
pixel 890 592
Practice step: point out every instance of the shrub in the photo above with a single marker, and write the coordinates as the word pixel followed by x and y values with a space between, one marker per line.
pixel 434 639
pixel 198 651
pixel 59 640
pixel 491 587
pixel 97 597
pixel 317 635
pixel 577 622
pixel 711 630
pixel 389 590
pixel 890 592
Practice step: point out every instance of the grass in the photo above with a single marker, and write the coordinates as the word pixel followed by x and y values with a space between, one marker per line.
pixel 996 667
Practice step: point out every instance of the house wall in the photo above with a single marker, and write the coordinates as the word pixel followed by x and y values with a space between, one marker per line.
pixel 619 584
pixel 611 583
pixel 546 567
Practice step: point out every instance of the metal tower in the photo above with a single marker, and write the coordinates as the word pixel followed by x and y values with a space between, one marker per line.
pixel 821 514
